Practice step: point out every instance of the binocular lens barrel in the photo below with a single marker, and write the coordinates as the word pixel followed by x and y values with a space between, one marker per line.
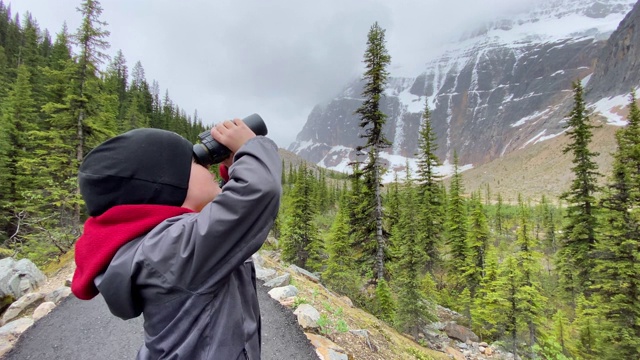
pixel 209 152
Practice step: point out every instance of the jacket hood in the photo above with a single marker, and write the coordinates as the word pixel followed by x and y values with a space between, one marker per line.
pixel 104 235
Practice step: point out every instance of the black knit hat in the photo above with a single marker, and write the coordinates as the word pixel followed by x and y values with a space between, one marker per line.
pixel 141 166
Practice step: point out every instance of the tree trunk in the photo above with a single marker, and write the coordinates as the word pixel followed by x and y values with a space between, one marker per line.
pixel 79 157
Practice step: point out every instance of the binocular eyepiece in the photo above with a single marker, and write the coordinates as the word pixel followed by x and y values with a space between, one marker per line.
pixel 209 152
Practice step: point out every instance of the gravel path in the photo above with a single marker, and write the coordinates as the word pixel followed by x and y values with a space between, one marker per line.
pixel 85 330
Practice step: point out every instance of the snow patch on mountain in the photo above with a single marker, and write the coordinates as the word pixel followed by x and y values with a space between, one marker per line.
pixel 613 109
pixel 397 168
pixel 397 165
pixel 411 102
pixel 536 115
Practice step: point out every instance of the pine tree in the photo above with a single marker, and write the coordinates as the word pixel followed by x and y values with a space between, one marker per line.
pixel 561 332
pixel 46 46
pixel 432 209
pixel 385 305
pixel 116 82
pixel 58 73
pixel 499 218
pixel 140 106
pixel 11 38
pixel 360 224
pixel 457 227
pixel 508 291
pixel 530 301
pixel 549 226
pixel 555 345
pixel 392 203
pixel 617 269
pixel 19 116
pixel 61 51
pixel 86 114
pixel 579 236
pixel 630 142
pixel 91 41
pixel 477 243
pixel 586 323
pixel 372 120
pixel 339 273
pixel 31 57
pixel 486 313
pixel 413 311
pixel 300 241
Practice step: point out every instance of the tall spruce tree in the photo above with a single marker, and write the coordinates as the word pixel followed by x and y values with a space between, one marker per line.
pixel 86 115
pixel 300 241
pixel 498 221
pixel 61 50
pixel 587 320
pixel 360 225
pixel 392 203
pixel 31 56
pixel 530 301
pixel 456 228
pixel 630 147
pixel 477 243
pixel 413 310
pixel 617 259
pixel 508 291
pixel 372 121
pixel 339 273
pixel 486 313
pixel 579 236
pixel 431 211
pixel 91 41
pixel 116 82
pixel 19 116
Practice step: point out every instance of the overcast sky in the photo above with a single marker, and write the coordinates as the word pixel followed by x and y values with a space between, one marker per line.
pixel 279 58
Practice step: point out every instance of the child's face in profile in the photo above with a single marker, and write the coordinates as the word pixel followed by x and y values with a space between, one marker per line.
pixel 203 188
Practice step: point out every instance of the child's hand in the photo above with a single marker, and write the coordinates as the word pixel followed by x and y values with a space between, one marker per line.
pixel 232 134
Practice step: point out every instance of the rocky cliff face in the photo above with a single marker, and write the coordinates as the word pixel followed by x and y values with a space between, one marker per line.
pixel 502 87
pixel 617 70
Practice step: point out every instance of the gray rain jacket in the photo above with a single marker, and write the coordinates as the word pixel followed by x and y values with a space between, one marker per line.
pixel 191 276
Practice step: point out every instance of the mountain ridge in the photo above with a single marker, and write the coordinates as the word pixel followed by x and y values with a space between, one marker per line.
pixel 479 109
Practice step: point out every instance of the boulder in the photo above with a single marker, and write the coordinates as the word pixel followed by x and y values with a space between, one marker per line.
pixel 280 293
pixel 58 294
pixel 282 280
pixel 265 274
pixel 307 316
pixel 19 277
pixel 15 328
pixel 25 303
pixel 42 310
pixel 327 349
pixel 309 275
pixel 459 332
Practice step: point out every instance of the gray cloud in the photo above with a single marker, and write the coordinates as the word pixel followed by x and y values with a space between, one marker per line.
pixel 279 58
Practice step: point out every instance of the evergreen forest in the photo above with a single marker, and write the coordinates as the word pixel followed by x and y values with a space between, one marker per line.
pixel 547 278
pixel 60 96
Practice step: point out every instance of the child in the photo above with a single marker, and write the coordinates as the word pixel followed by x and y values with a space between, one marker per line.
pixel 163 239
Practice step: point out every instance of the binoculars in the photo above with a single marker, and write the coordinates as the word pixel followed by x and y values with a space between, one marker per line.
pixel 209 152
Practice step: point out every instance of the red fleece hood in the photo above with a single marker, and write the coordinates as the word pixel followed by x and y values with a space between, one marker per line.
pixel 103 235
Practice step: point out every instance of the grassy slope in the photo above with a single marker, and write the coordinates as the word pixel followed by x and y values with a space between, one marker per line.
pixel 385 342
pixel 538 169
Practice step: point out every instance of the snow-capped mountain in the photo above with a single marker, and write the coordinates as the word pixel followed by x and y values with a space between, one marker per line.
pixel 500 88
